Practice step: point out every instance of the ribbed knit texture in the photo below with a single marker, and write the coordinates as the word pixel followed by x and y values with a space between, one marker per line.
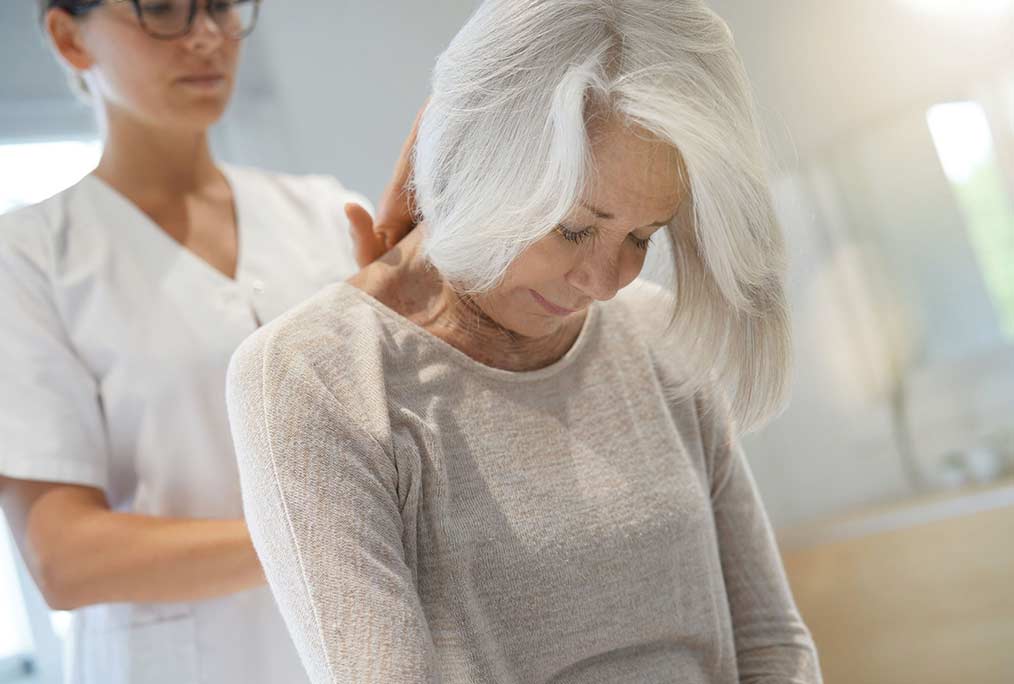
pixel 424 518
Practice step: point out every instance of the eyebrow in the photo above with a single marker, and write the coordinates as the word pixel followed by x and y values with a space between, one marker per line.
pixel 598 212
pixel 605 215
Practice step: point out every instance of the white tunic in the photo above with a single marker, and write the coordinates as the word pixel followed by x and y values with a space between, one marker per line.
pixel 113 352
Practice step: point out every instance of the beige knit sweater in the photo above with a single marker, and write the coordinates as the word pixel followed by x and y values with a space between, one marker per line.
pixel 425 518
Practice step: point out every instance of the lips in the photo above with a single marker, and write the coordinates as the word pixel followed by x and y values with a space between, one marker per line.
pixel 550 307
pixel 210 77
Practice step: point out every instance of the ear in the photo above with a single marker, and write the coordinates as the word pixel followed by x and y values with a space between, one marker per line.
pixel 65 33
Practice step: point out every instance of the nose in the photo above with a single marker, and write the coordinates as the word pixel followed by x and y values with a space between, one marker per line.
pixel 598 277
pixel 206 35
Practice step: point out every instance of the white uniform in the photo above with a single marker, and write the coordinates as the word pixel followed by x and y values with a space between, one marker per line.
pixel 113 351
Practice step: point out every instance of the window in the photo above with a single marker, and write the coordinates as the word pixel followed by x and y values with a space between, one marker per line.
pixel 15 635
pixel 29 173
pixel 964 144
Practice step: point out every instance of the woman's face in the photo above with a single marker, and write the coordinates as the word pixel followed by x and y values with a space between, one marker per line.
pixel 600 247
pixel 180 83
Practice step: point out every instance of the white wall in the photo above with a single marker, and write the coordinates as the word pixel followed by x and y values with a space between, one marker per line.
pixel 823 69
pixel 333 86
pixel 886 291
pixel 348 78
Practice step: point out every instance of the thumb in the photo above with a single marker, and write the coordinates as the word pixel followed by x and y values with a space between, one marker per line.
pixel 367 245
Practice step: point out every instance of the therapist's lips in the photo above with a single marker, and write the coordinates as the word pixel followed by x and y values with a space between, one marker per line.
pixel 550 307
pixel 206 81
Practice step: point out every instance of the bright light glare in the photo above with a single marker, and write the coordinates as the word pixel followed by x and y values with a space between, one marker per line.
pixel 961 134
pixel 31 172
pixel 961 6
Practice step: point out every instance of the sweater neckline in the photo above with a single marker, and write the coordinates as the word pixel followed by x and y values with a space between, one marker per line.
pixel 462 359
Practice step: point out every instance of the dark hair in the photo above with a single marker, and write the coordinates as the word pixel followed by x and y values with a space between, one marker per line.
pixel 75 7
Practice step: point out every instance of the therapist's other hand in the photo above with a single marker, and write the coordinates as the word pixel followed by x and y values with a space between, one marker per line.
pixel 395 216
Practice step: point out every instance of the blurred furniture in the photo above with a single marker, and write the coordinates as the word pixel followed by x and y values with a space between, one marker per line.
pixel 918 593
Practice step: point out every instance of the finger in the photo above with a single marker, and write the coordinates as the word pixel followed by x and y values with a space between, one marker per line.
pixel 368 246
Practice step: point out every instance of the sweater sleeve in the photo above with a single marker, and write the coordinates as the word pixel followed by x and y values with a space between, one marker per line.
pixel 773 645
pixel 320 498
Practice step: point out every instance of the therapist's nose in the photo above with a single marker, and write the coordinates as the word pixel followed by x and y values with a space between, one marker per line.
pixel 205 35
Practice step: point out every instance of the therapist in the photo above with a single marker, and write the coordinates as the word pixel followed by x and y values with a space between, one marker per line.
pixel 122 299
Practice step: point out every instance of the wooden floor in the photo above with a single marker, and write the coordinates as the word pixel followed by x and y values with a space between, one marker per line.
pixel 916 595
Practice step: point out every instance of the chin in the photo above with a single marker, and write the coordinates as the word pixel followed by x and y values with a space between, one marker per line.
pixel 198 118
pixel 201 110
pixel 521 316
pixel 537 325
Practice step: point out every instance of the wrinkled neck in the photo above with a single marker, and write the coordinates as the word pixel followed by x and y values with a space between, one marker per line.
pixel 467 323
pixel 403 280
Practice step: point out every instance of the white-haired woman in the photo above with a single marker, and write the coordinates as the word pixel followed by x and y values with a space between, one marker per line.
pixel 487 459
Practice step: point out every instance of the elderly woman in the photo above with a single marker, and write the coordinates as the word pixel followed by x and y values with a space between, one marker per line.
pixel 494 457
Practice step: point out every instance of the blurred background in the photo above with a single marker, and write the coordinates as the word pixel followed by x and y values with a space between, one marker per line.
pixel 890 478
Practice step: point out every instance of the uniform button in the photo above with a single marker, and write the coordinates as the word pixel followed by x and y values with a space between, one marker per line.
pixel 258 286
pixel 226 297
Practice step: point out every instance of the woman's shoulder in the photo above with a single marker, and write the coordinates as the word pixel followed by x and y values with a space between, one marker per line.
pixel 325 351
pixel 333 329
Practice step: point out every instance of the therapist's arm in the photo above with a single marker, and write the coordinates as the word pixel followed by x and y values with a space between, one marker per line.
pixel 81 553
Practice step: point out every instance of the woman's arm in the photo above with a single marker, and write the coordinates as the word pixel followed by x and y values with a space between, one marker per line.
pixel 320 494
pixel 81 553
pixel 773 645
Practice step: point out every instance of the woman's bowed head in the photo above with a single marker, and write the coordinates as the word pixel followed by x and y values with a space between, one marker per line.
pixel 562 136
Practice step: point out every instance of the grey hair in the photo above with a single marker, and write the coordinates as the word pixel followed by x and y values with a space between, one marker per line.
pixel 503 155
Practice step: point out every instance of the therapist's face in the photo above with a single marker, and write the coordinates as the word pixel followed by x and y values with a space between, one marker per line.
pixel 601 246
pixel 180 83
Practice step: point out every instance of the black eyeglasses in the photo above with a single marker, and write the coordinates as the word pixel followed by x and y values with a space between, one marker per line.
pixel 169 19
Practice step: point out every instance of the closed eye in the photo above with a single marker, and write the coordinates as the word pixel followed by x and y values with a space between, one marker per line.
pixel 579 236
pixel 641 243
pixel 575 236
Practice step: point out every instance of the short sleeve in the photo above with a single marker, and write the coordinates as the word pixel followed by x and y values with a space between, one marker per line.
pixel 320 499
pixel 773 645
pixel 51 423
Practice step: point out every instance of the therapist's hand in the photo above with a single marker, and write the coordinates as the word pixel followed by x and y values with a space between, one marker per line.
pixel 395 217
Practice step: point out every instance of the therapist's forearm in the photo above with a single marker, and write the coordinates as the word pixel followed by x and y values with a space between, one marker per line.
pixel 119 557
pixel 80 552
